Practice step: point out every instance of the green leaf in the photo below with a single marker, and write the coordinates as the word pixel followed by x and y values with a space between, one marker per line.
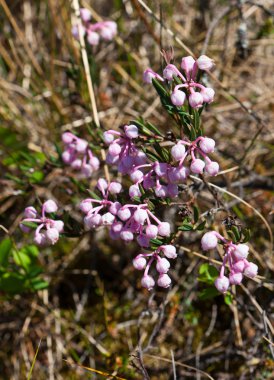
pixel 30 224
pixel 207 273
pixel 156 242
pixel 38 283
pixel 5 247
pixel 196 214
pixel 228 298
pixel 12 283
pixel 36 177
pixel 208 293
pixel 201 226
pixel 186 227
pixel 22 259
pixel 236 233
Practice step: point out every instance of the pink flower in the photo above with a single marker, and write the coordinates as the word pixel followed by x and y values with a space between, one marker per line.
pixel 197 166
pixel 147 282
pixel 178 98
pixel 164 281
pixel 209 241
pixel 205 63
pixel 139 262
pixel 195 100
pixel 222 284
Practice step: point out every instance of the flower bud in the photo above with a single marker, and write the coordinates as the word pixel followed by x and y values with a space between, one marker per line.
pixel 169 251
pixel 169 73
pixel 140 216
pixel 85 14
pixel 67 138
pixel 241 251
pixel 178 98
pixel 222 284
pixel 239 266
pixel 50 206
pixel 164 229
pixel 108 219
pixel 161 191
pixel 151 231
pixel 164 281
pixel 205 63
pixel 52 235
pixel 124 214
pixel 178 151
pixel 93 221
pixel 136 175
pixel 102 184
pixel 209 241
pixel 134 191
pixel 162 265
pixel 30 212
pixel 40 239
pixel 81 145
pixel 148 75
pixel 117 227
pixel 114 149
pixel 94 162
pixel 114 188
pixel 187 64
pixel 76 164
pixel 67 157
pixel 251 270
pixel 75 31
pixel 147 282
pixel 85 206
pixel 108 137
pixel 93 38
pixel 126 235
pixel 197 166
pixel 160 169
pixel 207 94
pixel 58 225
pixel 207 145
pixel 212 168
pixel 139 262
pixel 131 131
pixel 115 207
pixel 235 278
pixel 87 170
pixel 195 100
pixel 109 30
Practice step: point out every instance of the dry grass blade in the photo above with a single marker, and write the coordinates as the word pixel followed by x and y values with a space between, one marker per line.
pixel 95 371
pixel 34 360
pixel 179 365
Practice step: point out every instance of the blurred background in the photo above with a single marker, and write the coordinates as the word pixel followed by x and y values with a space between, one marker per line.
pixel 86 305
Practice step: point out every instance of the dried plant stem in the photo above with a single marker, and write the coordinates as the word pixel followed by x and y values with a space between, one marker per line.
pixel 95 114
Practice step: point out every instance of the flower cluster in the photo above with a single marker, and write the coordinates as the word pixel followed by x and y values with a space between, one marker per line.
pixel 122 150
pixel 164 177
pixel 106 30
pixel 78 155
pixel 236 258
pixel 125 221
pixel 162 266
pixel 196 93
pixel 48 230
